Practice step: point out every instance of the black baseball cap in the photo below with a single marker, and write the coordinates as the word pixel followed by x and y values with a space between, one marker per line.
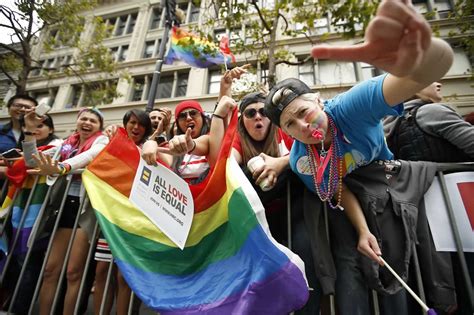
pixel 255 97
pixel 282 94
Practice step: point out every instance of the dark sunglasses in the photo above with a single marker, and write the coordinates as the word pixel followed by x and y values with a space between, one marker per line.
pixel 252 112
pixel 191 113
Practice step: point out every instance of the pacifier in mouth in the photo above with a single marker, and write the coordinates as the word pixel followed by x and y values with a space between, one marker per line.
pixel 317 134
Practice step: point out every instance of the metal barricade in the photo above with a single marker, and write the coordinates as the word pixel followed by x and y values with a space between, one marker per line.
pixel 442 169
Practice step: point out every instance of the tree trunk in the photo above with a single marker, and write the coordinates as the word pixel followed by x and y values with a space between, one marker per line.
pixel 271 54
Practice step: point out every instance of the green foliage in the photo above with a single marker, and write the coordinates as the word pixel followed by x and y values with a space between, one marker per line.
pixel 62 24
pixel 255 28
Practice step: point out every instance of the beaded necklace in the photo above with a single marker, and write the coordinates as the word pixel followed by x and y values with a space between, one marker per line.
pixel 318 163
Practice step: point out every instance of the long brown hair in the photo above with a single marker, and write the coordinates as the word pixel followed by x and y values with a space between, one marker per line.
pixel 251 147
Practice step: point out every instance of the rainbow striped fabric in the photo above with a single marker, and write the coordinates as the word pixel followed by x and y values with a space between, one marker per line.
pixel 197 52
pixel 19 207
pixel 230 264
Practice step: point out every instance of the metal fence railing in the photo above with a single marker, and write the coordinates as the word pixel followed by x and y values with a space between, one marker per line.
pixel 14 285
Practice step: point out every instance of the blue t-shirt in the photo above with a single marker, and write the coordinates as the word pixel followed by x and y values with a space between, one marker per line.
pixel 357 114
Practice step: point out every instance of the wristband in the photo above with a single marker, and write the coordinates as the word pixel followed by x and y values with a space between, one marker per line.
pixel 65 168
pixel 194 147
pixel 217 116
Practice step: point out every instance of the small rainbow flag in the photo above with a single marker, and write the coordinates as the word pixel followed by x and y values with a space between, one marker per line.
pixel 196 51
pixel 230 263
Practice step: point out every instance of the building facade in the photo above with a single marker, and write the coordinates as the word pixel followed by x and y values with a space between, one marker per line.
pixel 136 32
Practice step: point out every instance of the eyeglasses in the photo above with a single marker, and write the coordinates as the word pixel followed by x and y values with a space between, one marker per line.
pixel 19 106
pixel 252 112
pixel 192 113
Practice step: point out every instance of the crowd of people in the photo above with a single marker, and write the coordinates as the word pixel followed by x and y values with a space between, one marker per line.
pixel 328 152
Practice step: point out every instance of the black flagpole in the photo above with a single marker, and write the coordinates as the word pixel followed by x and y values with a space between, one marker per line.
pixel 170 18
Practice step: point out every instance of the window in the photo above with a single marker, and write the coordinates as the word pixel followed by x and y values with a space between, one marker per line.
pixel 50 65
pixel 182 84
pixel 75 97
pixel 439 9
pixel 461 64
pixel 443 7
pixel 132 20
pixel 326 72
pixel 151 48
pixel 368 71
pixel 214 81
pixel 194 13
pixel 321 26
pixel 66 60
pixel 39 64
pixel 123 53
pixel 45 96
pixel 236 35
pixel 165 87
pixel 191 11
pixel 138 89
pixel 156 17
pixel 172 84
pixel 121 25
pixel 92 93
pixel 119 53
pixel 307 73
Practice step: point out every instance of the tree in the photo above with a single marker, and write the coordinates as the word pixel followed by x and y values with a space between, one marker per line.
pixel 463 15
pixel 264 20
pixel 63 22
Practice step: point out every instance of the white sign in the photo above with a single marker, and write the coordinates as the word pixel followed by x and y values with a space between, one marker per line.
pixel 165 199
pixel 461 193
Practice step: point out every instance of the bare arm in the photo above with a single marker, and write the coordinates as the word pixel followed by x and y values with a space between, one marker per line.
pixel 219 126
pixel 367 244
pixel 398 40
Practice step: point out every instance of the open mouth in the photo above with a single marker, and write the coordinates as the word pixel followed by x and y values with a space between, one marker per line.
pixel 258 126
pixel 190 125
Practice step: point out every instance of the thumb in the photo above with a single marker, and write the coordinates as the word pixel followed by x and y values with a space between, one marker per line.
pixel 353 53
pixel 163 150
pixel 188 134
pixel 263 156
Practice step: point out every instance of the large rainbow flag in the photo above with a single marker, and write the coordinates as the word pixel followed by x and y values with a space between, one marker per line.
pixel 197 51
pixel 230 263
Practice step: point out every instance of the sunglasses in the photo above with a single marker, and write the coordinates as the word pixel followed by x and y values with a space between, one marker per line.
pixel 192 113
pixel 252 112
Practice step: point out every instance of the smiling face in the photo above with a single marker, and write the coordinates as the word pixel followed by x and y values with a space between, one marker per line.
pixel 19 108
pixel 255 122
pixel 134 129
pixel 190 118
pixel 87 124
pixel 302 119
pixel 42 131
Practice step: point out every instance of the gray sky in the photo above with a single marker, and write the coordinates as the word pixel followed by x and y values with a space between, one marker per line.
pixel 5 33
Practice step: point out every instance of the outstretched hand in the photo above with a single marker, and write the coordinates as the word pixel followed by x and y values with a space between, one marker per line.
pixel 45 165
pixel 180 145
pixel 395 40
pixel 229 76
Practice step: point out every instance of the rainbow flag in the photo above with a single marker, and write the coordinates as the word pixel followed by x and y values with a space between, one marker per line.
pixel 37 200
pixel 197 51
pixel 230 263
pixel 18 209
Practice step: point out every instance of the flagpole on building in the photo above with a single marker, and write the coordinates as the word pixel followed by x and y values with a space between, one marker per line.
pixel 170 20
